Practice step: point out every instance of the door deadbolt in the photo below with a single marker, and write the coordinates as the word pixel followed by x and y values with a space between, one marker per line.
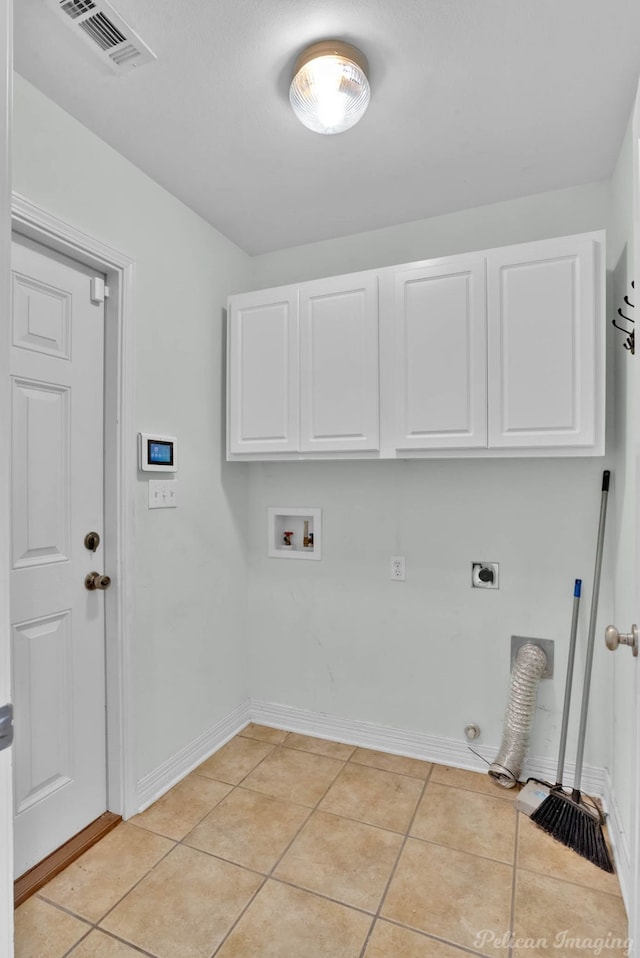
pixel 94 580
pixel 613 638
pixel 91 541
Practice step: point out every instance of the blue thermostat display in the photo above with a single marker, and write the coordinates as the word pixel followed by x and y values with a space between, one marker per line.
pixel 157 453
pixel 161 453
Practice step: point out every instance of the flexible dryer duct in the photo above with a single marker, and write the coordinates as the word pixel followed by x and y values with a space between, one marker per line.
pixel 528 669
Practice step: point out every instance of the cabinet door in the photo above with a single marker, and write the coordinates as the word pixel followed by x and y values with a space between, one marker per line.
pixel 439 329
pixel 543 301
pixel 339 364
pixel 262 372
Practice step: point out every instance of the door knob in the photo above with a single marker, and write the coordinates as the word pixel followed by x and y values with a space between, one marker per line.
pixel 94 580
pixel 613 638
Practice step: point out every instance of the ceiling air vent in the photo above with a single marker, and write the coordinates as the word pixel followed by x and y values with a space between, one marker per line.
pixel 107 33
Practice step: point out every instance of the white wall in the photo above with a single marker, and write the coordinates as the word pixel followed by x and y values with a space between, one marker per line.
pixel 557 213
pixel 429 654
pixel 191 573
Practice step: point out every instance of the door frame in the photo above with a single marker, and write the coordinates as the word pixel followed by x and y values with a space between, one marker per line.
pixel 634 916
pixel 120 468
pixel 6 790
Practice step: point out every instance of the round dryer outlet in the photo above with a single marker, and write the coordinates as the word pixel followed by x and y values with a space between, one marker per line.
pixel 485 575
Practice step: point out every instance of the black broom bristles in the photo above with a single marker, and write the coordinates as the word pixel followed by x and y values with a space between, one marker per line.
pixel 569 821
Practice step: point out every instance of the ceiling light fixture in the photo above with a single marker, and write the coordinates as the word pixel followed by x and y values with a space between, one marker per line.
pixel 330 91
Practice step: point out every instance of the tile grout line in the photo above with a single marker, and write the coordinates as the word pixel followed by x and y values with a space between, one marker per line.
pixel 199 821
pixel 431 937
pixel 64 909
pixel 461 851
pixel 408 835
pixel 311 811
pixel 474 791
pixel 395 865
pixel 79 942
pixel 574 884
pixel 351 761
pixel 316 808
pixel 176 842
pixel 273 748
pixel 320 894
pixel 269 874
pixel 240 916
pixel 96 924
pixel 109 934
pixel 129 944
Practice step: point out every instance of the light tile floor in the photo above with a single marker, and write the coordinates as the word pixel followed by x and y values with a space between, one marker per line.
pixel 286 846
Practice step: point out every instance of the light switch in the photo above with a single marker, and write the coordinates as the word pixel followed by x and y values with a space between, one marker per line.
pixel 162 494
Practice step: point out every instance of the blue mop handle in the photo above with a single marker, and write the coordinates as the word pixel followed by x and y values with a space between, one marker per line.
pixel 582 732
pixel 569 682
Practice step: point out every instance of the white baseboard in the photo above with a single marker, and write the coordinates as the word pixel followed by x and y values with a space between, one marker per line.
pixel 421 745
pixel 429 748
pixel 620 843
pixel 150 787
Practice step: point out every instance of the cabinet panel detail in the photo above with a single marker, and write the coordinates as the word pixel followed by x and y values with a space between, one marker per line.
pixel 542 344
pixel 339 365
pixel 263 414
pixel 440 327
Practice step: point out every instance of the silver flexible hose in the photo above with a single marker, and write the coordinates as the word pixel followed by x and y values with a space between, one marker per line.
pixel 528 669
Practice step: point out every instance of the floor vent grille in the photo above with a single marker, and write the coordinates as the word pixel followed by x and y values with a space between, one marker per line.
pixel 107 33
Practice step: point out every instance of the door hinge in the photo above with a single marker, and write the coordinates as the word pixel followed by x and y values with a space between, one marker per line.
pixel 6 726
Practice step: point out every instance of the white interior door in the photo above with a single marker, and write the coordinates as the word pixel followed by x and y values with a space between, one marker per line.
pixel 57 626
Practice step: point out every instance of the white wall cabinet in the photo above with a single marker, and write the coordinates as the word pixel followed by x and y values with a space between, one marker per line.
pixel 497 353
pixel 303 369
pixel 544 345
pixel 263 373
pixel 339 364
pixel 439 354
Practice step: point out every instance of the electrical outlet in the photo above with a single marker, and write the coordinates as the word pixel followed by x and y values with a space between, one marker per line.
pixel 162 494
pixel 397 568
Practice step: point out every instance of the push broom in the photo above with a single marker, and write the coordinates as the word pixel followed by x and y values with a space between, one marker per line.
pixel 567 817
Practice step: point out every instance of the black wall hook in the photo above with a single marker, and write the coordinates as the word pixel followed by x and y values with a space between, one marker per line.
pixel 630 342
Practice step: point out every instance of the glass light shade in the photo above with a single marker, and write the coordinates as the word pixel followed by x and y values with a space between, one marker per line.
pixel 330 91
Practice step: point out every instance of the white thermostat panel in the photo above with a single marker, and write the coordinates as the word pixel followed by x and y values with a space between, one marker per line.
pixel 157 453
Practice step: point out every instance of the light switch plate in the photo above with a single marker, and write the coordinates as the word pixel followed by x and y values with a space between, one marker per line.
pixel 162 494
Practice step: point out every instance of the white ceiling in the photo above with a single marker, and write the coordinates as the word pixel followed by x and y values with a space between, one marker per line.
pixel 473 102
